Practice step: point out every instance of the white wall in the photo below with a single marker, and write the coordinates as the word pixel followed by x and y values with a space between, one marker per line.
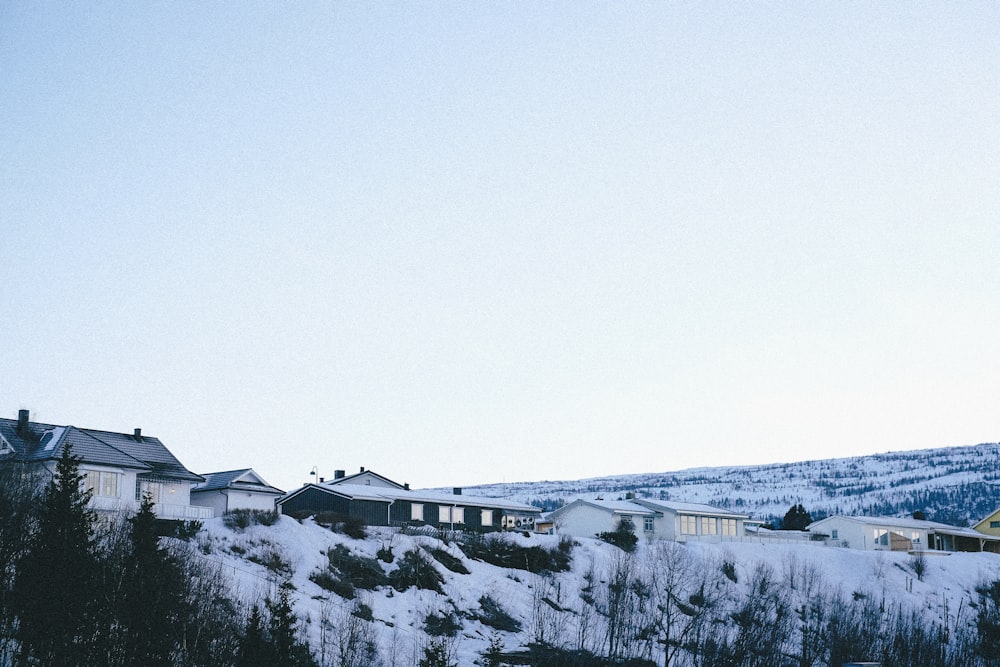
pixel 585 521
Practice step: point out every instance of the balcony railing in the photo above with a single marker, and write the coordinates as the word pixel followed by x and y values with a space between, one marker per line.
pixel 186 512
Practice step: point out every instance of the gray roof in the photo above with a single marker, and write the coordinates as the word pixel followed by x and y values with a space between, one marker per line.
pixel 690 508
pixel 46 442
pixel 386 494
pixel 245 479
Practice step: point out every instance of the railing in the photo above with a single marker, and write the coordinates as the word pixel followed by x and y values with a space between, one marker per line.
pixel 187 512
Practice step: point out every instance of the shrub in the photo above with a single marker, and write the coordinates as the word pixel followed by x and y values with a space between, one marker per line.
pixel 729 569
pixel 493 615
pixel 242 519
pixel 415 570
pixel 623 536
pixel 504 553
pixel 327 581
pixel 385 554
pixel 359 571
pixel 450 562
pixel 186 530
pixel 272 560
pixel 442 625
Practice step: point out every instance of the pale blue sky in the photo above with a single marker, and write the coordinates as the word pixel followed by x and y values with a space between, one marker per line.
pixel 464 243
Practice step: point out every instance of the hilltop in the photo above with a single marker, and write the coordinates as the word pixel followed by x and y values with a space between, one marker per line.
pixel 955 485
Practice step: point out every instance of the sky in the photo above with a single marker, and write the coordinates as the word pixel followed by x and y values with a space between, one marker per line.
pixel 460 243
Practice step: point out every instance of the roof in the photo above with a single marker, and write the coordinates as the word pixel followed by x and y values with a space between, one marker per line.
pixel 245 479
pixel 911 524
pixel 388 495
pixel 690 508
pixel 364 473
pixel 611 506
pixel 47 442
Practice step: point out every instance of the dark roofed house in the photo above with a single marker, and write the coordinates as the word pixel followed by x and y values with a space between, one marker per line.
pixel 235 490
pixel 379 501
pixel 119 468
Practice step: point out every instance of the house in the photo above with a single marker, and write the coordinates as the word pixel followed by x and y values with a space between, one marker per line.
pixel 379 501
pixel 659 519
pixel 990 525
pixel 118 468
pixel 587 518
pixel 235 490
pixel 900 534
pixel 684 521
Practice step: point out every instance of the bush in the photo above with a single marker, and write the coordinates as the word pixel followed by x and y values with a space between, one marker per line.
pixel 415 570
pixel 242 519
pixel 327 581
pixel 385 554
pixel 186 530
pixel 442 625
pixel 450 562
pixel 493 615
pixel 622 537
pixel 359 571
pixel 272 560
pixel 505 553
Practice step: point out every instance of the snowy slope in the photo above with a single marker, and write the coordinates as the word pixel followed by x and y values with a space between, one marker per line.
pixel 944 595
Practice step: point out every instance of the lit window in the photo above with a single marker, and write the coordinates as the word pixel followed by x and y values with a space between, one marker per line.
pixel 458 515
pixel 708 525
pixel 728 527
pixel 444 514
pixel 689 525
pixel 647 524
pixel 487 518
pixel 104 484
pixel 417 512
pixel 451 514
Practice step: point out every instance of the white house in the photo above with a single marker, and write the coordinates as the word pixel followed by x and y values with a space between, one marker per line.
pixel 235 490
pixel 587 518
pixel 899 534
pixel 684 521
pixel 655 519
pixel 118 468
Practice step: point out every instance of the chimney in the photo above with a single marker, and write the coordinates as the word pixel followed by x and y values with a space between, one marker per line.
pixel 406 486
pixel 457 490
pixel 322 479
pixel 338 474
pixel 22 422
pixel 138 434
pixel 362 468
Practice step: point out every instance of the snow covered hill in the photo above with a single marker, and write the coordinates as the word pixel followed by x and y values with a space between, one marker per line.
pixel 732 589
pixel 955 485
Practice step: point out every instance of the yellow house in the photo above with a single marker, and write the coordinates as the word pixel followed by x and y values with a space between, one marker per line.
pixel 990 525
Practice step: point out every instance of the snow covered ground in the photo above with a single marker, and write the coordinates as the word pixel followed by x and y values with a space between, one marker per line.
pixel 292 550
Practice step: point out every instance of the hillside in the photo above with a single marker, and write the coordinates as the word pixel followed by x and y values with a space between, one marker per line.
pixel 955 485
pixel 783 598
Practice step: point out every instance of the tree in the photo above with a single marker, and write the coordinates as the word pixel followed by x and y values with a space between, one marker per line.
pixel 54 592
pixel 623 536
pixel 796 518
pixel 286 648
pixel 152 596
pixel 20 494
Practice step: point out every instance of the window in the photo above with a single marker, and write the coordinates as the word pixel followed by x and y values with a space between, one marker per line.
pixel 994 524
pixel 486 519
pixel 833 534
pixel 689 525
pixel 152 489
pixel 729 527
pixel 417 512
pixel 647 524
pixel 881 536
pixel 103 484
pixel 708 525
pixel 915 537
pixel 448 514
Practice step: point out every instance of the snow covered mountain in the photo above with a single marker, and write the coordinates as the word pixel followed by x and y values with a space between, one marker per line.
pixel 955 485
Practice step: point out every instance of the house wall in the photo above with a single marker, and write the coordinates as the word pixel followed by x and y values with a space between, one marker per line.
pixel 861 535
pixel 314 500
pixel 225 500
pixel 585 521
pixel 985 527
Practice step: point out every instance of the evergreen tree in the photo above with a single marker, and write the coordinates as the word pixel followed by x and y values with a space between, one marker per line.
pixel 796 518
pixel 287 650
pixel 152 601
pixel 256 649
pixel 54 592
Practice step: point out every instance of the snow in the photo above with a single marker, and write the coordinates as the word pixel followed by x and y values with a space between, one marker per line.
pixel 948 584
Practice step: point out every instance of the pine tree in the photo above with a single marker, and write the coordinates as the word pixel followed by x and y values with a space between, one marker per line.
pixel 796 518
pixel 153 594
pixel 255 650
pixel 54 592
pixel 283 628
